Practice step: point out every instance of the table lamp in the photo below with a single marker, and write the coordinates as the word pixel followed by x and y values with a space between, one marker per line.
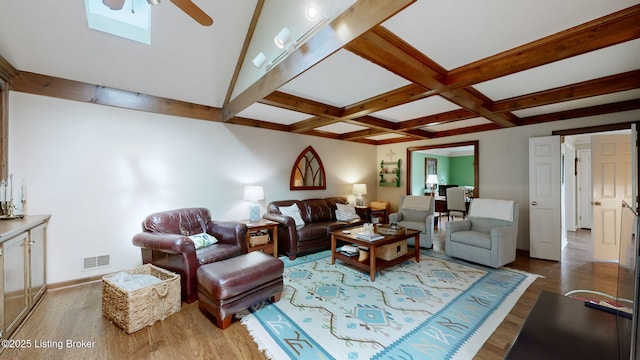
pixel 253 194
pixel 359 190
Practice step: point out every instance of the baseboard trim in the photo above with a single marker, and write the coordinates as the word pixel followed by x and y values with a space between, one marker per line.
pixel 73 283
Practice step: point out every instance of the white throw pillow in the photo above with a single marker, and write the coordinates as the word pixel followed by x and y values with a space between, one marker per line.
pixel 345 212
pixel 203 240
pixel 294 212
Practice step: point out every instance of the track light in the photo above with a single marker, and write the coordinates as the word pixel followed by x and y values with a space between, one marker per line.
pixel 283 37
pixel 153 2
pixel 259 60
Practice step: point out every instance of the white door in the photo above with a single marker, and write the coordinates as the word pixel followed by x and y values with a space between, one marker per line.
pixel 584 189
pixel 545 207
pixel 612 183
pixel 570 184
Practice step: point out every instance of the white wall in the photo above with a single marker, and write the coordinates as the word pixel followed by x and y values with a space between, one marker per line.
pixel 100 170
pixel 504 161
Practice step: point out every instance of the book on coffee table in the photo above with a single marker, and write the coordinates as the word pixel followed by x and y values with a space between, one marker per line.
pixel 369 237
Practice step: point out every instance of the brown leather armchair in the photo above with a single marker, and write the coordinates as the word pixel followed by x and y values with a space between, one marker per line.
pixel 165 243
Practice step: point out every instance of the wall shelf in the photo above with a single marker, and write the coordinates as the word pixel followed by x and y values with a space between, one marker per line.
pixel 390 173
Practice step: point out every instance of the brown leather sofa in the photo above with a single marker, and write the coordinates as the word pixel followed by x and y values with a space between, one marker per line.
pixel 165 243
pixel 319 216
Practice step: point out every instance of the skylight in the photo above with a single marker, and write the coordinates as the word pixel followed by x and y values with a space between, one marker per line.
pixel 132 21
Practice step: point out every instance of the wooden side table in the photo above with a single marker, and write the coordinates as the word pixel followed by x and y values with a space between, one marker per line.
pixel 380 209
pixel 254 226
pixel 383 214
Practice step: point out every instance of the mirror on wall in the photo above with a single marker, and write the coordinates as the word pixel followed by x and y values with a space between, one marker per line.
pixel 430 166
pixel 308 172
pixel 430 175
pixel 454 164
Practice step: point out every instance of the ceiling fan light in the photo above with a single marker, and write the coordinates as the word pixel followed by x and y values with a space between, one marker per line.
pixel 114 4
pixel 282 38
pixel 153 2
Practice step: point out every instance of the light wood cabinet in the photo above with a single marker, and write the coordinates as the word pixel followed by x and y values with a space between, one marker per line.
pixel 22 269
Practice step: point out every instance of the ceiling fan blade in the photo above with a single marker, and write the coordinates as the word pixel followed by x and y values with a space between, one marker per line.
pixel 194 11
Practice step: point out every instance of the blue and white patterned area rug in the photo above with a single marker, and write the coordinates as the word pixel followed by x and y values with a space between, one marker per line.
pixel 439 308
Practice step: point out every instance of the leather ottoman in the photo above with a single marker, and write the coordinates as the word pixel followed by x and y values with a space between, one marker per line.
pixel 229 286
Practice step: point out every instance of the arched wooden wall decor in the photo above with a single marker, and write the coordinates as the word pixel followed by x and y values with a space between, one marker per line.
pixel 308 172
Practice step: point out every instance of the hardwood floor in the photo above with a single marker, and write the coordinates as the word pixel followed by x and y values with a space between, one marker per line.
pixel 75 314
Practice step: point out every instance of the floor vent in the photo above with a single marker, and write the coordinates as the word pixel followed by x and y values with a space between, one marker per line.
pixel 95 262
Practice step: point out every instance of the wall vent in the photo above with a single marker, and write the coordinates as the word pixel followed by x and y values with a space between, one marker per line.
pixel 95 262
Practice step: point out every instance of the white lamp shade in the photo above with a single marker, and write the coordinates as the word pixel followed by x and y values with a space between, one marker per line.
pixel 253 193
pixel 359 189
pixel 432 179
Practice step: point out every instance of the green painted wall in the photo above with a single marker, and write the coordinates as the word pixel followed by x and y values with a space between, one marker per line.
pixel 461 170
pixel 451 170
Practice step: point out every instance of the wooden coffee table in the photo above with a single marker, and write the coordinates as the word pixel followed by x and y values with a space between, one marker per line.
pixel 373 264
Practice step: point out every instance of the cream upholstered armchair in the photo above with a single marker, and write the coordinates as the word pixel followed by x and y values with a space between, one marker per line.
pixel 417 213
pixel 488 235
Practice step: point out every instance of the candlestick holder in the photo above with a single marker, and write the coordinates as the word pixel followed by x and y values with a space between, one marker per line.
pixel 8 209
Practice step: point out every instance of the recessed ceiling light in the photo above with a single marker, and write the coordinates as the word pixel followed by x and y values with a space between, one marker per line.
pixel 311 12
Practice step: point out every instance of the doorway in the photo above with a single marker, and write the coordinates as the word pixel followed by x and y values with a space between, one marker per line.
pixel 578 188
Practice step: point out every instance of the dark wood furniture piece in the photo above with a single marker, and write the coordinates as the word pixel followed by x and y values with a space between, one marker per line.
pixel 254 226
pixel 374 264
pixel 559 327
pixel 382 214
pixel 441 206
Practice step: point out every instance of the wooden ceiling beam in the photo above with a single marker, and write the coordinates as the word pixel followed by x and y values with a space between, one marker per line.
pixel 7 71
pixel 237 120
pixel 387 100
pixel 606 31
pixel 467 130
pixel 419 133
pixel 482 107
pixel 78 91
pixel 361 134
pixel 374 122
pixel 583 112
pixel 602 86
pixel 387 50
pixel 296 103
pixel 359 18
pixel 437 119
pixel 245 47
pixel 310 124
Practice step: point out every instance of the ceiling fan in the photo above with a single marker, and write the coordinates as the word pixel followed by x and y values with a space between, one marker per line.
pixel 185 5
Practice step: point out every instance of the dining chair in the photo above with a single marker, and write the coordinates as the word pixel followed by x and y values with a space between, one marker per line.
pixel 455 202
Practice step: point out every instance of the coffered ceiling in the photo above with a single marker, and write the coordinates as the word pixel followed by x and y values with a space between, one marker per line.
pixel 382 72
